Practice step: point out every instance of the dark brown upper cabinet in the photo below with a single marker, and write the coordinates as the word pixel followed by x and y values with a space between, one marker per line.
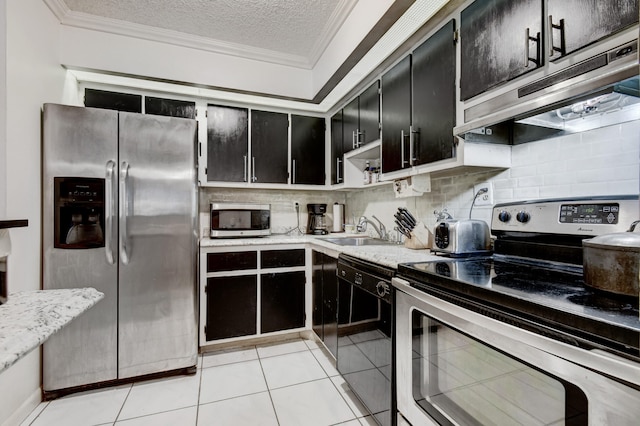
pixel 269 147
pixel 499 40
pixel 307 150
pixel 361 118
pixel 227 143
pixel 574 24
pixel 337 150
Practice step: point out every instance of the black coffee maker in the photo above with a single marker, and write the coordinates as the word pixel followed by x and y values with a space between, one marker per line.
pixel 317 224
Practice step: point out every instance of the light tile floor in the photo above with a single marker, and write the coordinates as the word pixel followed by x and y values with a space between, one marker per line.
pixel 289 383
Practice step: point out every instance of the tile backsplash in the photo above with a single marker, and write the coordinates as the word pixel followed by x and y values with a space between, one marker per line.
pixel 605 161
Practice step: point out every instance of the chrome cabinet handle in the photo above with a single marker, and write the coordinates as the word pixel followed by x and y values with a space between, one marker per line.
pixel 338 177
pixel 246 176
pixel 109 210
pixel 560 27
pixel 293 170
pixel 353 140
pixel 402 160
pixel 527 56
pixel 412 142
pixel 253 169
pixel 124 207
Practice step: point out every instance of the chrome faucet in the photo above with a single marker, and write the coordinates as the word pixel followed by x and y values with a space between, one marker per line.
pixel 362 226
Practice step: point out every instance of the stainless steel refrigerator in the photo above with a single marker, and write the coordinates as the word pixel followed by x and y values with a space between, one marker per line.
pixel 119 204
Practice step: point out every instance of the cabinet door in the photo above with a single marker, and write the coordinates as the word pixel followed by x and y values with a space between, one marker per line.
pixel 227 143
pixel 231 307
pixel 307 150
pixel 282 301
pixel 337 150
pixel 499 40
pixel 351 125
pixel 434 95
pixel 316 293
pixel 578 23
pixel 269 147
pixel 396 116
pixel 330 303
pixel 169 107
pixel 370 114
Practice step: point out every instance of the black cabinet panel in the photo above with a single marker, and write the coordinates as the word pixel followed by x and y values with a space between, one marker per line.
pixel 578 23
pixel 494 43
pixel 269 146
pixel 112 100
pixel 281 258
pixel 169 107
pixel 351 124
pixel 234 261
pixel 396 116
pixel 325 300
pixel 434 96
pixel 231 307
pixel 370 113
pixel 228 143
pixel 337 150
pixel 307 150
pixel 282 301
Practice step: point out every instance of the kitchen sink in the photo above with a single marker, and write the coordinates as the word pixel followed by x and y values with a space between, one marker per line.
pixel 359 241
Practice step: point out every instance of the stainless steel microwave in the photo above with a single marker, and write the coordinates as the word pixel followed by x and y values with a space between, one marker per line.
pixel 232 220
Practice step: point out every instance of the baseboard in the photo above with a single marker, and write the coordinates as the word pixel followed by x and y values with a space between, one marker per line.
pixel 25 409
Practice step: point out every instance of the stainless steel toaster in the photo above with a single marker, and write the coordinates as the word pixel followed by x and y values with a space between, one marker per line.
pixel 462 237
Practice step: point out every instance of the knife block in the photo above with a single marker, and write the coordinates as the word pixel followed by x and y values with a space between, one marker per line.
pixel 421 238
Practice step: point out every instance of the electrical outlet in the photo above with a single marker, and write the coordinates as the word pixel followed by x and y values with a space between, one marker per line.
pixel 485 199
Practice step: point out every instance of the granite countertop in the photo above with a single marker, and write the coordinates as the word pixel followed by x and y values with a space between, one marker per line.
pixel 386 255
pixel 31 317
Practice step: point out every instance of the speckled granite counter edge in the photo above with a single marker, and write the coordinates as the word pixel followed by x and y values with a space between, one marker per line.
pixel 385 255
pixel 29 318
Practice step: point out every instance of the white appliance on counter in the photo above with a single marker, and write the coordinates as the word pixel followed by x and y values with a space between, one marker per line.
pixel 119 210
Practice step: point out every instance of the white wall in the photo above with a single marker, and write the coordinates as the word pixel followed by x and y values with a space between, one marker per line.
pixel 34 76
pixel 605 161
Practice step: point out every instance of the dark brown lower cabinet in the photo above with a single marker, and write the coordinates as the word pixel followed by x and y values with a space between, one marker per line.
pixel 325 300
pixel 231 306
pixel 282 301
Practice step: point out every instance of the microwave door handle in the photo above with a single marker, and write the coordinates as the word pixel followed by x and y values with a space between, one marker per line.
pixel 124 207
pixel 109 209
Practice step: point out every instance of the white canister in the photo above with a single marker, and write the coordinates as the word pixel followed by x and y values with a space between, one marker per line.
pixel 338 218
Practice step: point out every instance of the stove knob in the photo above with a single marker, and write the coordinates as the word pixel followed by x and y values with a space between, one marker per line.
pixel 523 217
pixel 504 216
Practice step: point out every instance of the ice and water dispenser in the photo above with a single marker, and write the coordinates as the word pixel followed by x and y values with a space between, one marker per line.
pixel 79 212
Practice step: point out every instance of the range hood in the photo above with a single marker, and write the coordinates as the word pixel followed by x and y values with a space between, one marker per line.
pixel 600 91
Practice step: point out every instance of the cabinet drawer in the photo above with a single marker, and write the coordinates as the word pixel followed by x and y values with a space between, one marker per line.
pixel 232 261
pixel 281 258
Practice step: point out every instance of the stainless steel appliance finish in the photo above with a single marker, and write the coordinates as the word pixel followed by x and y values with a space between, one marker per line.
pixel 146 265
pixel 455 366
pixel 232 220
pixel 365 334
pixel 461 237
pixel 524 320
pixel 563 84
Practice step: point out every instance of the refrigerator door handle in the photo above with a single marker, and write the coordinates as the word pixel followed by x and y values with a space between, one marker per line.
pixel 109 209
pixel 124 207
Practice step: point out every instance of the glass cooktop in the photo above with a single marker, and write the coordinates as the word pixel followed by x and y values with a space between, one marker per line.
pixel 554 296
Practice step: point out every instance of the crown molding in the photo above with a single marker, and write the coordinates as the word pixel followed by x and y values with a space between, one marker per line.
pixel 91 22
pixel 336 20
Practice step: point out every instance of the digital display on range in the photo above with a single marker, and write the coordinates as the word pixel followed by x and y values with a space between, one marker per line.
pixel 590 213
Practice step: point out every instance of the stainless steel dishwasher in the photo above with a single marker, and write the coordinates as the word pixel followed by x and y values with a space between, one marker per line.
pixel 365 334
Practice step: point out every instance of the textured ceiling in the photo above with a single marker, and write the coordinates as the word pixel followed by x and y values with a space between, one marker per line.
pixel 295 29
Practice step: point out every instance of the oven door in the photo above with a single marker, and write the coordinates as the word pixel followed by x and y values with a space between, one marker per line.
pixel 455 366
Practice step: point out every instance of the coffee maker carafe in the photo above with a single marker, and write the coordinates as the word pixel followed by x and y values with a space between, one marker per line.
pixel 317 224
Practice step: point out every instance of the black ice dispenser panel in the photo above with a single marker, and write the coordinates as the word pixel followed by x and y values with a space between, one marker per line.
pixel 79 213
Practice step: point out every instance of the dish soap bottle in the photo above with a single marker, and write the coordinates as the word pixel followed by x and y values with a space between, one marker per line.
pixel 366 174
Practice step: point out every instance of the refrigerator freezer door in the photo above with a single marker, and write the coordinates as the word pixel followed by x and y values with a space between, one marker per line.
pixel 78 142
pixel 158 241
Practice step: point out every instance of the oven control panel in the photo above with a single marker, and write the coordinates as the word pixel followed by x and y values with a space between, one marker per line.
pixel 578 216
pixel 590 213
